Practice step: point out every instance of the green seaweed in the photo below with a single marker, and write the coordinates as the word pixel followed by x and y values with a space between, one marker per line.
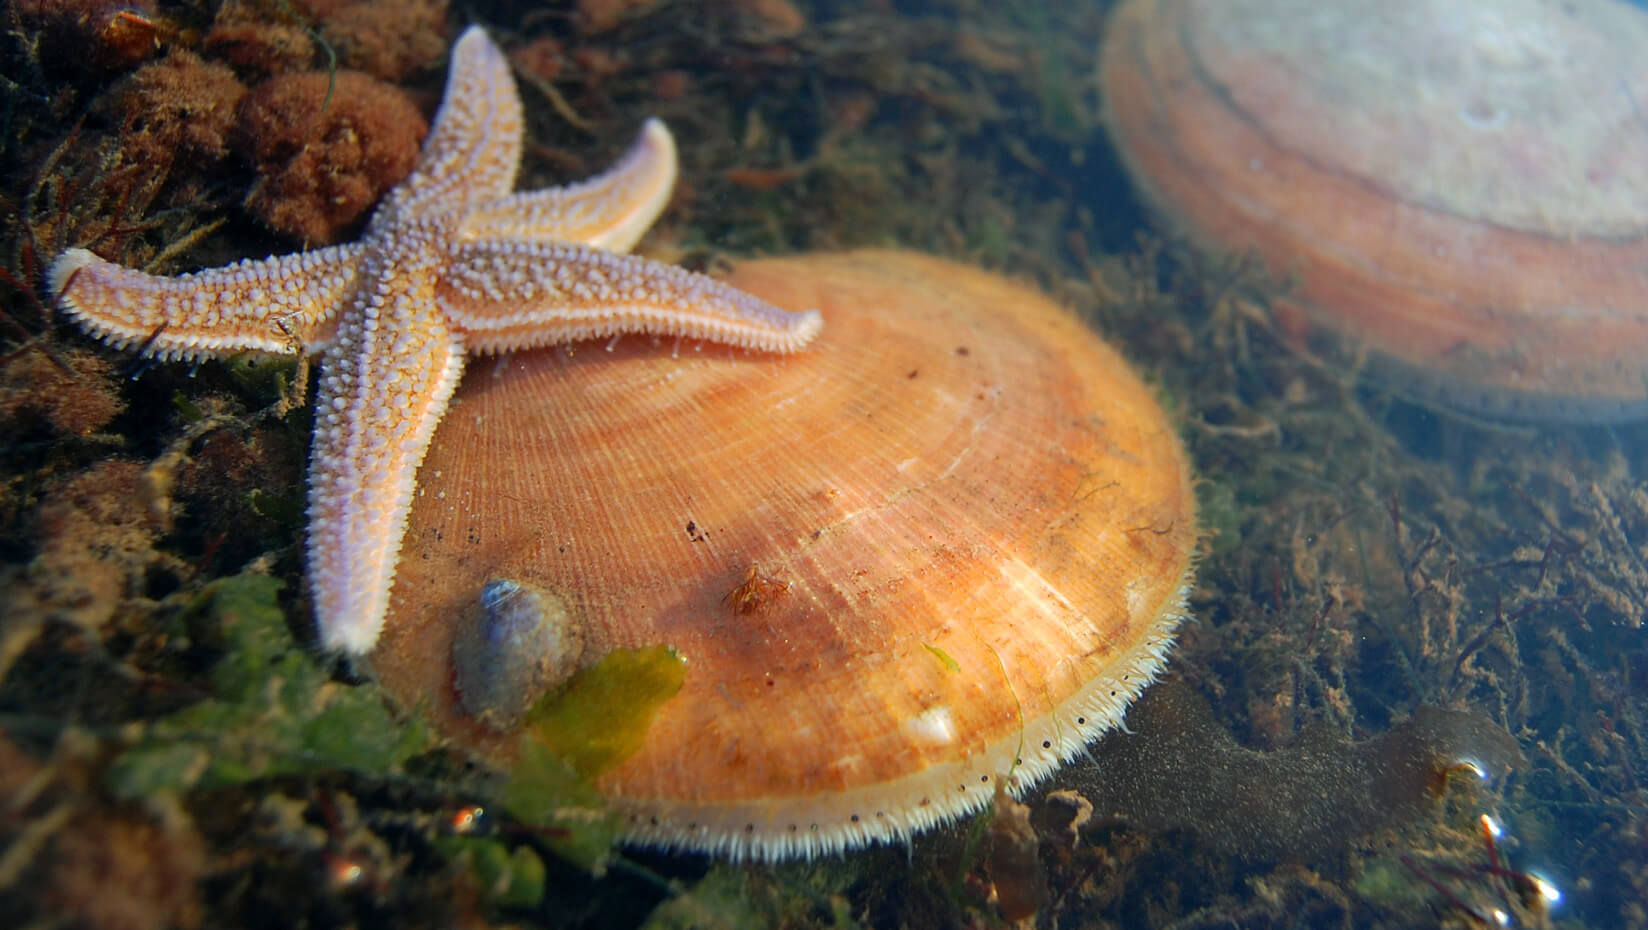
pixel 949 663
pixel 989 240
pixel 735 898
pixel 547 793
pixel 1384 881
pixel 188 409
pixel 601 717
pixel 509 878
pixel 273 710
pixel 574 735
pixel 285 509
pixel 1053 79
pixel 721 899
pixel 1221 515
pixel 266 377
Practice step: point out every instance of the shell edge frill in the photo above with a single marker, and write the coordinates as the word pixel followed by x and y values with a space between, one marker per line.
pixel 894 812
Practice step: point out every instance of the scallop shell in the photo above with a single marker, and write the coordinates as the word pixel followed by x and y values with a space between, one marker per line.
pixel 944 545
pixel 1461 187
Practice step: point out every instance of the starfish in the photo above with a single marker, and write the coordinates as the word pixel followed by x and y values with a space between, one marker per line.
pixel 451 263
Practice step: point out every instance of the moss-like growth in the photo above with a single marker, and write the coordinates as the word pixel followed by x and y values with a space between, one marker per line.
pixel 273 710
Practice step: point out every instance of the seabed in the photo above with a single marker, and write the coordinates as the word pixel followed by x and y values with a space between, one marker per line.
pixel 174 752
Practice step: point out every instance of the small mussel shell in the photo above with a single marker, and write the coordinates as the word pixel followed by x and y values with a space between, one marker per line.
pixel 1461 188
pixel 512 646
pixel 943 545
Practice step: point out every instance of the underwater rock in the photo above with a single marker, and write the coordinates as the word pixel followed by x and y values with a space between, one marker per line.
pixel 122 873
pixel 598 16
pixel 71 861
pixel 95 543
pixel 772 19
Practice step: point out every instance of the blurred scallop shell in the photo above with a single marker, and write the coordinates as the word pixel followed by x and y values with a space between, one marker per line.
pixel 944 545
pixel 1460 187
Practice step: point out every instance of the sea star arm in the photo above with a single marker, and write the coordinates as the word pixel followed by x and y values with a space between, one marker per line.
pixel 612 211
pixel 270 305
pixel 388 378
pixel 505 295
pixel 474 148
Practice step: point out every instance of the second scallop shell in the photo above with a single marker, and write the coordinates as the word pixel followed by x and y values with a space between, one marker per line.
pixel 1460 187
pixel 944 545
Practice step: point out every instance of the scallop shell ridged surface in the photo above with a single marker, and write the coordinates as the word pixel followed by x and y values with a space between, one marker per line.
pixel 1461 188
pixel 944 545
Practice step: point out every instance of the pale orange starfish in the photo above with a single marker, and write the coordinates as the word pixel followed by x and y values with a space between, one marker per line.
pixel 452 263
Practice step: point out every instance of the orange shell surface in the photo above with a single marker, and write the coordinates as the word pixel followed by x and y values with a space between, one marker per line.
pixel 1461 187
pixel 970 522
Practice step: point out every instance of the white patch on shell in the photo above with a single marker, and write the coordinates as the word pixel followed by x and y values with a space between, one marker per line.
pixel 1138 603
pixel 933 726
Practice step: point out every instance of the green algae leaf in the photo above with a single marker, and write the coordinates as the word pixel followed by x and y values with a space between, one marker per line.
pixel 265 375
pixel 1221 515
pixel 273 710
pixel 944 658
pixel 602 715
pixel 574 735
pixel 508 878
pixel 721 899
pixel 188 409
pixel 545 791
pixel 242 614
pixel 734 898
pixel 146 769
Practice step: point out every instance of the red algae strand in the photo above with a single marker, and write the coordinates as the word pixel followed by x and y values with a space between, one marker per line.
pixel 107 34
pixel 776 19
pixel 73 394
pixel 324 163
pixel 181 105
pixel 388 39
pixel 1017 880
pixel 391 41
pixel 598 16
pixel 256 48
